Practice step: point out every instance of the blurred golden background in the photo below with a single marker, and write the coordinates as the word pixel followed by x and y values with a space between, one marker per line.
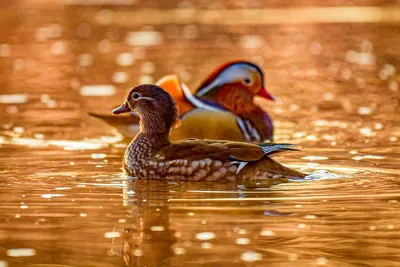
pixel 333 67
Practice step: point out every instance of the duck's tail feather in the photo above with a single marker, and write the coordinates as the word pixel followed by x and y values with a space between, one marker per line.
pixel 116 120
pixel 96 115
pixel 269 148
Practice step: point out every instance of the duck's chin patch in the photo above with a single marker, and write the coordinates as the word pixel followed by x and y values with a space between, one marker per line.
pixel 136 109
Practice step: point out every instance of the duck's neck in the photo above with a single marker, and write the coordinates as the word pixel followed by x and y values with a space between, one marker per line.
pixel 144 146
pixel 155 129
pixel 235 99
pixel 154 125
pixel 154 141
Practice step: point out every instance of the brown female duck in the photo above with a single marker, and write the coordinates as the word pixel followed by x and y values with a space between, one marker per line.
pixel 151 154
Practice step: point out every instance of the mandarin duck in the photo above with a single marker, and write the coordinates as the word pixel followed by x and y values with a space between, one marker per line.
pixel 152 155
pixel 222 106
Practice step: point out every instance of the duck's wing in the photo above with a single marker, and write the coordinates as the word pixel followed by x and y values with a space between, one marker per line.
pixel 202 123
pixel 219 150
pixel 207 124
pixel 173 86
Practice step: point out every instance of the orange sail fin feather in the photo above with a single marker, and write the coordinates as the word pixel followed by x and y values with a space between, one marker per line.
pixel 172 85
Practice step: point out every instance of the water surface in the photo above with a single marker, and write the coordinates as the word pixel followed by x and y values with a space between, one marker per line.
pixel 65 201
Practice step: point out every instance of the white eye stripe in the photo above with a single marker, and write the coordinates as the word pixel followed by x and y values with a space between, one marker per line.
pixel 147 98
pixel 234 73
pixel 136 96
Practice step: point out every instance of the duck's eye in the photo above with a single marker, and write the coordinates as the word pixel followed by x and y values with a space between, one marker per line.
pixel 247 81
pixel 135 95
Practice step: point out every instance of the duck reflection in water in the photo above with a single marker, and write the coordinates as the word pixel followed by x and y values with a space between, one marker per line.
pixel 148 241
pixel 156 229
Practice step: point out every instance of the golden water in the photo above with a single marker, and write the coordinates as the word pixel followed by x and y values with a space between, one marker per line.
pixel 64 201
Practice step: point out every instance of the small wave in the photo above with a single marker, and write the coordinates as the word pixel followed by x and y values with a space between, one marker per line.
pixel 322 175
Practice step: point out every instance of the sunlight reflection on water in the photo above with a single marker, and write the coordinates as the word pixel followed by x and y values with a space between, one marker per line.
pixel 65 201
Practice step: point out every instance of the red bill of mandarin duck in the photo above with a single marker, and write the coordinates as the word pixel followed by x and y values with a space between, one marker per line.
pixel 151 154
pixel 223 106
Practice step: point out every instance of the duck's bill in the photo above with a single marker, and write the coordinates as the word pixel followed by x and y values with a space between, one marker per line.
pixel 124 108
pixel 264 93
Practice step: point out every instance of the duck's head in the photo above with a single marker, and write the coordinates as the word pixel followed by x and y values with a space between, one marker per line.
pixel 157 109
pixel 236 74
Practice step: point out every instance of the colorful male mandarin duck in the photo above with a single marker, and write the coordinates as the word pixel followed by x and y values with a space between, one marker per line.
pixel 151 154
pixel 222 107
